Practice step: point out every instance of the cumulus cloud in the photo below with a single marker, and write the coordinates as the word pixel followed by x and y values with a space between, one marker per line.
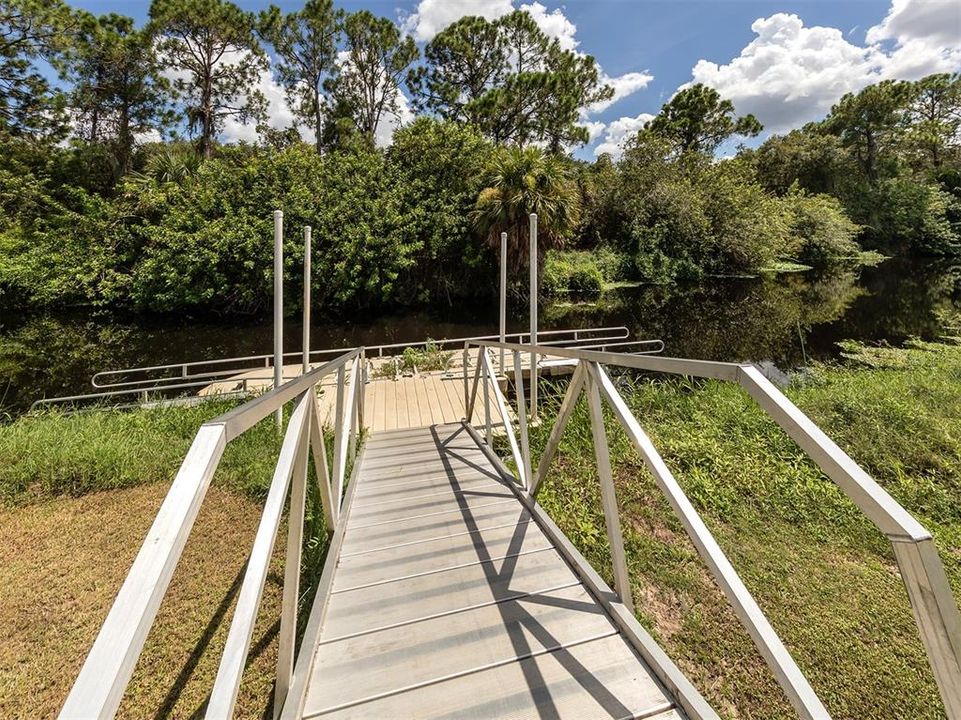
pixel 595 129
pixel 432 16
pixel 623 85
pixel 279 113
pixel 938 21
pixel 554 24
pixel 618 132
pixel 790 74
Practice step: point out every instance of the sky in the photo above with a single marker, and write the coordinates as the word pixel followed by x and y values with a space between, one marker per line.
pixel 785 61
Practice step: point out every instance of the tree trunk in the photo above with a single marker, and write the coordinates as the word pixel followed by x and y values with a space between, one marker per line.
pixel 318 124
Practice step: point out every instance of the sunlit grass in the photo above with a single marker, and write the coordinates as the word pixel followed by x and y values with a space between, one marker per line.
pixel 823 574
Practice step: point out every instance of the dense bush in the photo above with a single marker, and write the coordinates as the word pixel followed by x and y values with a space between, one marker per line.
pixel 819 228
pixel 573 272
pixel 387 228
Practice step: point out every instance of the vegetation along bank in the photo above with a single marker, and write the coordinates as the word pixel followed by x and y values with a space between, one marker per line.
pixel 115 191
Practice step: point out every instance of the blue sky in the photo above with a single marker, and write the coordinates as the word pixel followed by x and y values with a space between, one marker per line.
pixel 786 61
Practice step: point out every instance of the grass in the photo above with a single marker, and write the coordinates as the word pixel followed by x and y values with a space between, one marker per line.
pixel 426 359
pixel 50 454
pixel 78 494
pixel 825 577
pixel 61 563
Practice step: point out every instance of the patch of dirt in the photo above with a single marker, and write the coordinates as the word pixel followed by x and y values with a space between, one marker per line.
pixel 61 565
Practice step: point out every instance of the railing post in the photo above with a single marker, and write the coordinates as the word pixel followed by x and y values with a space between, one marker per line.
pixel 503 304
pixel 338 477
pixel 486 379
pixel 466 388
pixel 352 438
pixel 279 308
pixel 602 452
pixel 307 298
pixel 522 420
pixel 295 540
pixel 362 384
pixel 533 281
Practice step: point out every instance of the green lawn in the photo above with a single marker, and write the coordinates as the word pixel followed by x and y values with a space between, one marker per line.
pixel 825 577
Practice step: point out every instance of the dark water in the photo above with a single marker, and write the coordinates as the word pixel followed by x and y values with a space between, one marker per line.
pixel 784 321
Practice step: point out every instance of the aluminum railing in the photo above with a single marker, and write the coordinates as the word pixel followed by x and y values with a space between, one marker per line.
pixel 127 393
pixel 932 602
pixel 103 679
pixel 181 372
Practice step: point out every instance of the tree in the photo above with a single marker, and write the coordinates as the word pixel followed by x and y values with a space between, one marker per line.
pixel 31 29
pixel 934 116
pixel 435 168
pixel 464 60
pixel 368 83
pixel 871 122
pixel 306 46
pixel 510 80
pixel 211 44
pixel 697 120
pixel 521 181
pixel 118 92
pixel 813 159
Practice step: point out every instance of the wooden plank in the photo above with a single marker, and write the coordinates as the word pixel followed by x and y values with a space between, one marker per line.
pixel 406 600
pixel 427 415
pixel 439 414
pixel 431 482
pixel 597 679
pixel 417 653
pixel 437 555
pixel 361 539
pixel 462 506
pixel 449 601
pixel 428 497
pixel 390 411
pixel 403 406
pixel 455 395
pixel 428 452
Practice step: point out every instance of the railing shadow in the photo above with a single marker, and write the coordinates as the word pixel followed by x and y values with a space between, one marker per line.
pixel 515 627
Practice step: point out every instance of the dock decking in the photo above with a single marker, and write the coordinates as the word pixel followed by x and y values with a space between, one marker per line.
pixel 448 600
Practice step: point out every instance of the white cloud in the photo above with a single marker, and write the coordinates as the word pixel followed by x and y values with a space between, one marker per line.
pixel 623 85
pixel 554 24
pixel 595 129
pixel 934 20
pixel 618 132
pixel 432 16
pixel 790 74
pixel 384 134
pixel 922 37
pixel 279 113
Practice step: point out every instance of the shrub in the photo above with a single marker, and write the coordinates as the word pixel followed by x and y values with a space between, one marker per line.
pixel 820 228
pixel 572 272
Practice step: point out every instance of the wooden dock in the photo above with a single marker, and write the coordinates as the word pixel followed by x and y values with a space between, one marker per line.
pixel 449 600
pixel 410 400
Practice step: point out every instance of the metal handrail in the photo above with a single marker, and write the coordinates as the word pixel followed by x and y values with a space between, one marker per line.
pixel 99 687
pixel 929 593
pixel 618 332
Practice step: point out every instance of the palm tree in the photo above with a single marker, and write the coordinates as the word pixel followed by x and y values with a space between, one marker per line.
pixel 518 182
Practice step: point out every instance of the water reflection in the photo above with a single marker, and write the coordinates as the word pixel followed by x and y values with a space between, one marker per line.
pixel 783 321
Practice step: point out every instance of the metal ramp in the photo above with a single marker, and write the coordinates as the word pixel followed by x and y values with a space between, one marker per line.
pixel 449 600
pixel 447 590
